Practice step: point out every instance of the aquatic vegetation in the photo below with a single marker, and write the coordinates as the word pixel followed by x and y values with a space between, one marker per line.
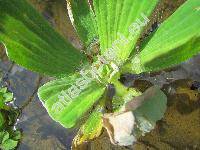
pixel 9 137
pixel 109 31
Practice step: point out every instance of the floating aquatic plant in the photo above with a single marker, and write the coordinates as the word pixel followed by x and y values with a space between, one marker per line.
pixel 9 137
pixel 109 31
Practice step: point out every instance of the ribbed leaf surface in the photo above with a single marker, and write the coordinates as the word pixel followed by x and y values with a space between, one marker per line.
pixel 117 20
pixel 176 40
pixel 91 129
pixel 67 111
pixel 83 20
pixel 32 43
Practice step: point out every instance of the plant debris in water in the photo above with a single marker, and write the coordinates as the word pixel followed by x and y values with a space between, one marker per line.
pixel 9 136
pixel 136 118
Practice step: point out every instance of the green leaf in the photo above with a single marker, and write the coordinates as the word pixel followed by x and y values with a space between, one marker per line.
pixel 83 19
pixel 68 107
pixel 2 120
pixel 33 43
pixel 115 20
pixel 5 96
pixel 9 139
pixel 3 90
pixel 176 40
pixel 90 129
pixel 8 97
pixel 12 116
pixel 151 110
pixel 9 144
pixel 2 133
pixel 5 137
pixel 122 95
pixel 16 135
pixel 2 104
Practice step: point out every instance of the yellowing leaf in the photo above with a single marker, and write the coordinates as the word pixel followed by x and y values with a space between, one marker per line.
pixel 90 129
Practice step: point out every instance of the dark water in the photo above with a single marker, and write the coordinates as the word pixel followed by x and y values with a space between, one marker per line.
pixel 180 129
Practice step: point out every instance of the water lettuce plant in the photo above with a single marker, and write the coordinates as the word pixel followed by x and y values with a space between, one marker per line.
pixel 9 137
pixel 109 31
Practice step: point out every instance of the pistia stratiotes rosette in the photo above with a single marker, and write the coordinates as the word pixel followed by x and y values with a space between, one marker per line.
pixel 32 43
pixel 9 136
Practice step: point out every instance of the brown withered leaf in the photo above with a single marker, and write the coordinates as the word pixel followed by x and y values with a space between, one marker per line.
pixel 139 114
pixel 119 127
